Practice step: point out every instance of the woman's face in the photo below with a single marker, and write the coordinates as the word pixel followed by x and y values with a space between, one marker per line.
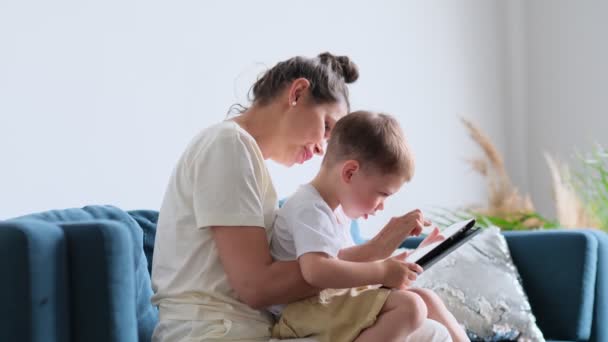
pixel 305 130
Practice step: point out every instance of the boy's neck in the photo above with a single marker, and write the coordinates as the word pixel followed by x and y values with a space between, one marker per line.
pixel 327 188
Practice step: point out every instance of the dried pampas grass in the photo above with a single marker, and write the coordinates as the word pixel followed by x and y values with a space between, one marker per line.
pixel 580 201
pixel 568 206
pixel 504 200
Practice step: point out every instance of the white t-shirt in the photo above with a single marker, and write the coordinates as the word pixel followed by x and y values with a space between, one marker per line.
pixel 220 180
pixel 306 224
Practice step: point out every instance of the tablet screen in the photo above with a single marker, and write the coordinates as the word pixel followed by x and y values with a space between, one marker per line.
pixel 447 232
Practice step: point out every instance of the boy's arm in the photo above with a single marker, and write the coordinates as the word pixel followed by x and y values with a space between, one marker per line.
pixel 390 237
pixel 366 252
pixel 372 250
pixel 322 271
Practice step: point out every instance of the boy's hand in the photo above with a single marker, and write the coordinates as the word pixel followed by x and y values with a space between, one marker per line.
pixel 411 223
pixel 434 236
pixel 399 274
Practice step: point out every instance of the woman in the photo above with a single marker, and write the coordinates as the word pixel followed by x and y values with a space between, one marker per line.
pixel 212 272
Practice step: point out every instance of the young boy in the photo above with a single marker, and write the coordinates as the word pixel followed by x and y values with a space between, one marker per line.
pixel 367 160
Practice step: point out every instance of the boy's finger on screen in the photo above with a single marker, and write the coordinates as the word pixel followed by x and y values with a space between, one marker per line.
pixel 402 256
pixel 415 268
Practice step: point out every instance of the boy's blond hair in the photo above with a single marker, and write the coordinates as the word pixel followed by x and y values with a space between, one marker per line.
pixel 375 140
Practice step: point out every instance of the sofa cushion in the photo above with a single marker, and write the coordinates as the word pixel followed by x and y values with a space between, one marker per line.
pixel 147 220
pixel 559 264
pixel 479 284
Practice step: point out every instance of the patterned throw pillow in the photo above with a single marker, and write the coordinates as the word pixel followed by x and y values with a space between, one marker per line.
pixel 481 286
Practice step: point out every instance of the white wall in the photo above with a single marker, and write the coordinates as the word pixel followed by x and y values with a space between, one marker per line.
pixel 566 83
pixel 98 99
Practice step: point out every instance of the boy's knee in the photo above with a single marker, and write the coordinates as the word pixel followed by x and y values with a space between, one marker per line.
pixel 428 296
pixel 412 307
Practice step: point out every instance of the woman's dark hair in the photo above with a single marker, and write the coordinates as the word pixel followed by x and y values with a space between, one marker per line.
pixel 328 76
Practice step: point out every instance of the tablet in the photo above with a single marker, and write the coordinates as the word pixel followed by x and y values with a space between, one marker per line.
pixel 455 235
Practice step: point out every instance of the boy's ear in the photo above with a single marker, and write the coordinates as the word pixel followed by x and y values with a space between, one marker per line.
pixel 349 168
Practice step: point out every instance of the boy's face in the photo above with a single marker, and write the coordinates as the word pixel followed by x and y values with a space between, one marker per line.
pixel 366 191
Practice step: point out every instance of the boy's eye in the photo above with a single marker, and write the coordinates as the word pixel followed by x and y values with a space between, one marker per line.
pixel 384 194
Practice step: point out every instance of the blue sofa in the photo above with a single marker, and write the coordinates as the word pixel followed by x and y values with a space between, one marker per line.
pixel 83 275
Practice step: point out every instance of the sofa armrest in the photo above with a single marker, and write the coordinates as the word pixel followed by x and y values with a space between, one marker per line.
pixel 558 270
pixel 599 329
pixel 34 293
pixel 147 315
pixel 102 281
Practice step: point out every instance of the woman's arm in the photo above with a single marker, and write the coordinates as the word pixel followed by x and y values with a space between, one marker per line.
pixel 258 281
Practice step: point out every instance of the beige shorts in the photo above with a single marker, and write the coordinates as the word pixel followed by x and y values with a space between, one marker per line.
pixel 208 331
pixel 338 315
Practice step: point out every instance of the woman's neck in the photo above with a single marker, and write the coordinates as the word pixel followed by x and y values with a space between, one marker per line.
pixel 263 123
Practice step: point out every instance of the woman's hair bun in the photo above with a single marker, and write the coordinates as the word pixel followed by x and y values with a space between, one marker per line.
pixel 342 65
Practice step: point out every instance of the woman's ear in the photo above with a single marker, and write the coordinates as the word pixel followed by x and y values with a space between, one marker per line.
pixel 296 90
pixel 349 169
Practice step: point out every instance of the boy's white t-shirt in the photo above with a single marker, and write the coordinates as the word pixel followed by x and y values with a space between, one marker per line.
pixel 220 180
pixel 306 224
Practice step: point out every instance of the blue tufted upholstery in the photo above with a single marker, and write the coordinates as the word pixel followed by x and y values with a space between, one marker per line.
pixel 83 275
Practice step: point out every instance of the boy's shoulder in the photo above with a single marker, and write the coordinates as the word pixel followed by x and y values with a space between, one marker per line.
pixel 305 199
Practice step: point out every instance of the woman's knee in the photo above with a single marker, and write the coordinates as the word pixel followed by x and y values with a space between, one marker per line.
pixel 411 305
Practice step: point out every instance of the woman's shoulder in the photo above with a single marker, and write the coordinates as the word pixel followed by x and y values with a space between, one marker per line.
pixel 227 136
pixel 223 132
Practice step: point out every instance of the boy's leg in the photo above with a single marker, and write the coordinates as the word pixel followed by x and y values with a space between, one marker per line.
pixel 431 331
pixel 439 312
pixel 402 314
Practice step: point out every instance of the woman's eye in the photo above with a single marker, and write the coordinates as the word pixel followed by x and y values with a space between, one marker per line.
pixel 327 131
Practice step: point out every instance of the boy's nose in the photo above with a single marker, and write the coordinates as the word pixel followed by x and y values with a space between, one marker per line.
pixel 380 206
pixel 318 149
